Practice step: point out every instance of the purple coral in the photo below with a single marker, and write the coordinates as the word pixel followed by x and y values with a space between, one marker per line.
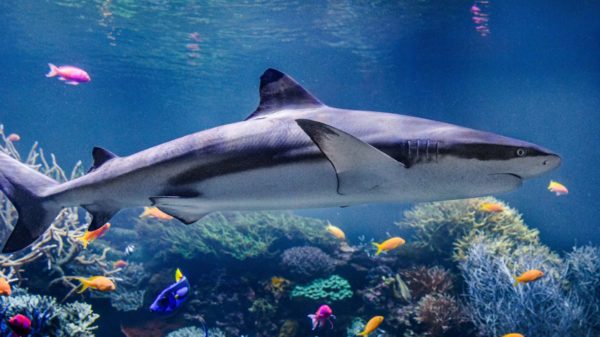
pixel 439 313
pixel 307 261
pixel 424 280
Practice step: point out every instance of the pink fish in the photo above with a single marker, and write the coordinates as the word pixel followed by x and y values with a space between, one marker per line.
pixel 13 137
pixel 323 315
pixel 71 75
pixel 20 325
pixel 475 9
pixel 479 20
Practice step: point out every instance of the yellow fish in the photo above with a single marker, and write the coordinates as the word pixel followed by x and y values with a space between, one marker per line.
pixel 491 207
pixel 557 188
pixel 528 276
pixel 513 334
pixel 389 244
pixel 100 283
pixel 93 235
pixel 336 231
pixel 371 326
pixel 154 212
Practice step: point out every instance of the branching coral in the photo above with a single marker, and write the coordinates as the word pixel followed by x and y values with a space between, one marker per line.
pixel 582 271
pixel 439 313
pixel 48 317
pixel 541 308
pixel 454 226
pixel 240 235
pixel 307 261
pixel 422 280
pixel 189 331
pixel 334 288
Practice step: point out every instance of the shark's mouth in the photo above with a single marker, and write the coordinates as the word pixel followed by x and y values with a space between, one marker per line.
pixel 509 174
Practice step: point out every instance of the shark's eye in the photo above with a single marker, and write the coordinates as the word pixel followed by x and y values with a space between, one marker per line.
pixel 521 152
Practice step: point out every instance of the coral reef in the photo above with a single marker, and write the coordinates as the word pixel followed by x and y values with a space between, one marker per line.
pixel 289 328
pixel 453 226
pixel 439 313
pixel 240 235
pixel 422 280
pixel 582 272
pixel 334 288
pixel 190 331
pixel 541 308
pixel 48 317
pixel 307 261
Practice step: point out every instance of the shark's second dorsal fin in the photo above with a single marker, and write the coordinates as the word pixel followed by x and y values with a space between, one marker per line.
pixel 100 157
pixel 279 91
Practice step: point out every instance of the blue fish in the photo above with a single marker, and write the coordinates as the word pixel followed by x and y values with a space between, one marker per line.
pixel 173 297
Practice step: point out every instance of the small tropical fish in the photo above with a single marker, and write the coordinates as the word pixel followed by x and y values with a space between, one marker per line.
pixel 491 207
pixel 475 9
pixel 389 244
pixel 120 264
pixel 154 212
pixel 172 297
pixel 558 188
pixel 513 334
pixel 5 289
pixel 71 75
pixel 100 283
pixel 20 325
pixel 528 276
pixel 323 315
pixel 13 137
pixel 93 235
pixel 371 326
pixel 336 231
pixel 129 249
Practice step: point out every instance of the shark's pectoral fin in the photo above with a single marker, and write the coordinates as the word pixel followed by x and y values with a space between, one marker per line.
pixel 359 166
pixel 182 209
pixel 100 215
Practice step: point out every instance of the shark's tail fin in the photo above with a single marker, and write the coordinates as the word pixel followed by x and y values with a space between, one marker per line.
pixel 26 189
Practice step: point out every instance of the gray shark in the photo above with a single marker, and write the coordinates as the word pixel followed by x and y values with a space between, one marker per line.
pixel 292 152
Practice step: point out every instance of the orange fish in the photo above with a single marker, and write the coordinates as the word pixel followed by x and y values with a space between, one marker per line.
pixel 389 244
pixel 120 264
pixel 100 283
pixel 528 276
pixel 558 188
pixel 336 231
pixel 371 326
pixel 154 212
pixel 13 137
pixel 5 289
pixel 93 235
pixel 513 334
pixel 491 207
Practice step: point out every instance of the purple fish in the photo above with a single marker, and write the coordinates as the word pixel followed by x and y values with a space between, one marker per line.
pixel 324 314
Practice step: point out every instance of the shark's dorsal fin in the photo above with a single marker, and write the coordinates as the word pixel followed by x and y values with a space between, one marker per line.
pixel 100 157
pixel 279 91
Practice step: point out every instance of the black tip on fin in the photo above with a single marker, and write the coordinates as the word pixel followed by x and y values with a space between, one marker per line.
pixel 101 156
pixel 18 239
pixel 279 91
pixel 100 216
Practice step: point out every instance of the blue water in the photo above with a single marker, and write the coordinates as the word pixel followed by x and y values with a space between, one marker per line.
pixel 534 77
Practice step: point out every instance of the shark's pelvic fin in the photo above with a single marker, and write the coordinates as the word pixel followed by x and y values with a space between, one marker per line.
pixel 359 166
pixel 182 209
pixel 100 215
pixel 279 91
pixel 101 156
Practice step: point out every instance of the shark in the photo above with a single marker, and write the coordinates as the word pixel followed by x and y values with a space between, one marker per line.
pixel 292 152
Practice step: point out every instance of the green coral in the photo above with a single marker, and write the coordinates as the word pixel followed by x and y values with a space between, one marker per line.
pixel 452 227
pixel 240 235
pixel 334 288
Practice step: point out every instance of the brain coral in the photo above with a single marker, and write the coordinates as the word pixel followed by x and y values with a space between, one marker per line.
pixel 307 261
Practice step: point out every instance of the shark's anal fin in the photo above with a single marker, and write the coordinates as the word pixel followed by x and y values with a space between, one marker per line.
pixel 278 91
pixel 359 166
pixel 182 209
pixel 101 156
pixel 100 215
